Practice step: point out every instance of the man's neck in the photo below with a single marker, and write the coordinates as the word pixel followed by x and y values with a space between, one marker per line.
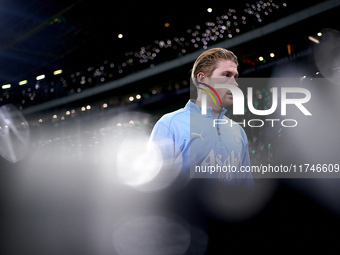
pixel 216 113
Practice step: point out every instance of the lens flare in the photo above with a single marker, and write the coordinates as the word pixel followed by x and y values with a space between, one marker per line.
pixel 327 55
pixel 138 164
pixel 14 134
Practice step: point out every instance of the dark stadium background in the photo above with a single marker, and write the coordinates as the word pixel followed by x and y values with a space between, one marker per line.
pixel 72 114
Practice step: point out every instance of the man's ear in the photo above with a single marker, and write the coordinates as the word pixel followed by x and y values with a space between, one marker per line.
pixel 200 77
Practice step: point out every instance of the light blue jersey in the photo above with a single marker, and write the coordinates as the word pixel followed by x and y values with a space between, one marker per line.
pixel 192 142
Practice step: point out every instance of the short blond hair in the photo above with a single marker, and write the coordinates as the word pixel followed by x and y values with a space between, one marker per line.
pixel 206 62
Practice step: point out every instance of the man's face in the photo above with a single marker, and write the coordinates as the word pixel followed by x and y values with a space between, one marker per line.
pixel 225 73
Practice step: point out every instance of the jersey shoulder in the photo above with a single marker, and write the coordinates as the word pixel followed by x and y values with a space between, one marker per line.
pixel 180 116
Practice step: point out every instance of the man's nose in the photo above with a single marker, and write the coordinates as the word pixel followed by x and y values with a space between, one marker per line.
pixel 232 81
pixel 236 84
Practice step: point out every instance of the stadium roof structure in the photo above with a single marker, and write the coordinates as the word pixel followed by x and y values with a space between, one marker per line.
pixel 39 35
